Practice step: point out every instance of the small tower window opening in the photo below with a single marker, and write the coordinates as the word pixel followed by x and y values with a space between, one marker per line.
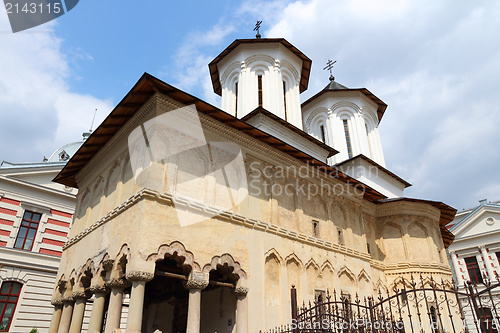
pixel 368 248
pixel 341 236
pixel 315 225
pixel 27 231
pixel 236 99
pixel 347 139
pixel 322 133
pixel 259 88
pixel 284 99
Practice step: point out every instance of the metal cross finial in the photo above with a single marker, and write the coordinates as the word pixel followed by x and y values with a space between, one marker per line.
pixel 257 27
pixel 329 66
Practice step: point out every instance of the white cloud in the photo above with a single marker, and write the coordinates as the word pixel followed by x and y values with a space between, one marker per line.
pixel 39 113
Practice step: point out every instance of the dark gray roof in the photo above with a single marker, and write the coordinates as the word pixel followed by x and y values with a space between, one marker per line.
pixel 334 85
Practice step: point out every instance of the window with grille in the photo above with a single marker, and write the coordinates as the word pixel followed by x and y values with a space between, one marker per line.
pixel 27 231
pixel 347 138
pixel 474 271
pixel 9 295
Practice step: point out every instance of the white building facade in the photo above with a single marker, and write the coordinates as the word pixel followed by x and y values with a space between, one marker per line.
pixel 35 218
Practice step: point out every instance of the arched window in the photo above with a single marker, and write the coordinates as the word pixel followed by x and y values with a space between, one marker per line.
pixel 9 295
pixel 347 138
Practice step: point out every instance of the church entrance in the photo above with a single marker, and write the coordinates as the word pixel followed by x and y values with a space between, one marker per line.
pixel 166 299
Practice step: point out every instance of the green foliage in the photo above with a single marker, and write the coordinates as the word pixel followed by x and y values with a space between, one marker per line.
pixel 34 330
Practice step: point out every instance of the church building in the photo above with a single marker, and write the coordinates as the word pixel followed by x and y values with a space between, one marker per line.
pixel 206 217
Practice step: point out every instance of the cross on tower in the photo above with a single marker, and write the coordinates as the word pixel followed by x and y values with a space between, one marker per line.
pixel 329 66
pixel 257 27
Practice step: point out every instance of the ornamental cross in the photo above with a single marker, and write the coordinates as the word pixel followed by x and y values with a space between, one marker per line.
pixel 257 27
pixel 329 65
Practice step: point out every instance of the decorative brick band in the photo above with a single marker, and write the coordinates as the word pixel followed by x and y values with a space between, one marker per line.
pixel 8 211
pixel 52 242
pixel 6 222
pixel 10 201
pixel 63 214
pixel 2 243
pixel 51 252
pixel 55 232
pixel 4 233
pixel 59 223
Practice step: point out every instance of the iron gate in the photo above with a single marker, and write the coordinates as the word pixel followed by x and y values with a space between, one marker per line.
pixel 412 306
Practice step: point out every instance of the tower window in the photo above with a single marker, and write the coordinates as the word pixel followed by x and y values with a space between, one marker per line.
pixel 368 248
pixel 315 225
pixel 236 99
pixel 9 295
pixel 322 132
pixel 284 98
pixel 27 231
pixel 473 270
pixel 347 139
pixel 341 236
pixel 259 86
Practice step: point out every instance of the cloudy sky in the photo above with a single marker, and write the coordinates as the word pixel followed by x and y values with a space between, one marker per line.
pixel 435 63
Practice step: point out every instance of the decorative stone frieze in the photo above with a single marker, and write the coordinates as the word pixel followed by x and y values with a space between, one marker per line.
pixel 140 276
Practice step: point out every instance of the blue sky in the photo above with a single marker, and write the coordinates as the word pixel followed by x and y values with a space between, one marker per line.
pixel 435 63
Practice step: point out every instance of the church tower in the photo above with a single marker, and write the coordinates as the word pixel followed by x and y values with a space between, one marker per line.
pixel 261 72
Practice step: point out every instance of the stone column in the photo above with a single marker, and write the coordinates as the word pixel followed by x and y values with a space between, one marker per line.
pixel 456 267
pixel 196 283
pixel 115 304
pixel 78 312
pixel 97 313
pixel 56 316
pixel 241 309
pixel 487 262
pixel 139 279
pixel 67 312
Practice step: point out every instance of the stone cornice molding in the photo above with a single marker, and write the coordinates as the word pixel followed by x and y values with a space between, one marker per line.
pixel 223 215
pixel 139 276
pixel 407 208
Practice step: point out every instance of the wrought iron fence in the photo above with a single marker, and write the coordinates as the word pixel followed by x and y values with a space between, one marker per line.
pixel 412 306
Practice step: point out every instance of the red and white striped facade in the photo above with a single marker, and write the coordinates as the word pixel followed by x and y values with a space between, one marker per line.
pixel 27 189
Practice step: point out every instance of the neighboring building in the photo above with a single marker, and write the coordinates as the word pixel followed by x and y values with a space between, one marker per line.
pixel 35 218
pixel 211 215
pixel 474 255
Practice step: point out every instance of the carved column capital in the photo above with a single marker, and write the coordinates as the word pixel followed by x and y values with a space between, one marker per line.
pixel 241 291
pixel 118 283
pixel 98 288
pixel 108 264
pixel 140 276
pixel 68 299
pixel 79 294
pixel 197 280
pixel 56 302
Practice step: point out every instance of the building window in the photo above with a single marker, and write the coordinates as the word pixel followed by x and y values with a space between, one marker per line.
pixel 486 317
pixel 322 132
pixel 9 295
pixel 259 87
pixel 341 236
pixel 368 248
pixel 347 139
pixel 315 225
pixel 284 98
pixel 27 232
pixel 320 296
pixel 236 99
pixel 473 269
pixel 498 257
